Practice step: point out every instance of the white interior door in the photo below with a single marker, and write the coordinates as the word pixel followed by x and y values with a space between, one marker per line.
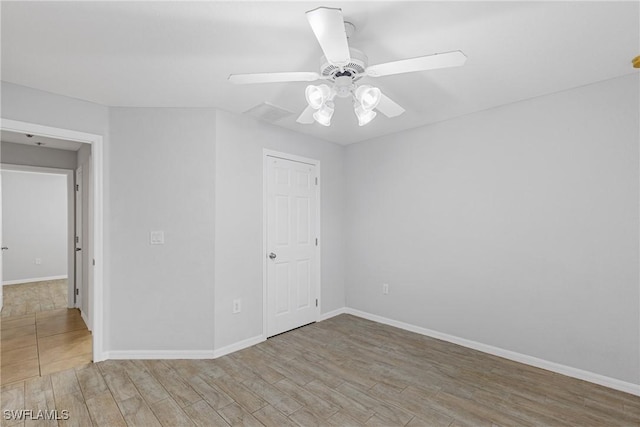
pixel 291 243
pixel 77 297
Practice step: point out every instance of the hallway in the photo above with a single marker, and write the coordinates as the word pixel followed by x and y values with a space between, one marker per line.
pixel 39 335
pixel 28 298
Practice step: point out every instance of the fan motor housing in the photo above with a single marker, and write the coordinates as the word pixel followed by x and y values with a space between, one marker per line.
pixel 354 69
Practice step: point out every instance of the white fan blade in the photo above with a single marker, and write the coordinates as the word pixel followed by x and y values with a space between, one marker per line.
pixel 388 107
pixel 421 63
pixel 302 76
pixel 306 118
pixel 328 25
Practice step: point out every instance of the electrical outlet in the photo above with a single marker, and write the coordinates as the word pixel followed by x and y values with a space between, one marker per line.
pixel 385 288
pixel 237 306
pixel 38 261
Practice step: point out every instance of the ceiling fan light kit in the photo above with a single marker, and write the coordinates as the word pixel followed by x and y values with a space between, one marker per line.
pixel 368 96
pixel 317 95
pixel 364 116
pixel 365 99
pixel 342 67
pixel 324 114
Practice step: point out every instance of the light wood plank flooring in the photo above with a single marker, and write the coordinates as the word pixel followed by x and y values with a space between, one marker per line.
pixel 40 343
pixel 28 298
pixel 344 371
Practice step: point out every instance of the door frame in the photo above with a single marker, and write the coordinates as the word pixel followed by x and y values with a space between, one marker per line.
pixel 78 234
pixel 71 214
pixel 266 153
pixel 96 294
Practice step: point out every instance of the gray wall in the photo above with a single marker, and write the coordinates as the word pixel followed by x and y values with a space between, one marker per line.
pixel 160 175
pixel 34 106
pixel 20 154
pixel 163 163
pixel 34 225
pixel 515 227
pixel 239 217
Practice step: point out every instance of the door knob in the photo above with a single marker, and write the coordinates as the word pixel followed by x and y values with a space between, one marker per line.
pixel 78 249
pixel 4 248
pixel 272 255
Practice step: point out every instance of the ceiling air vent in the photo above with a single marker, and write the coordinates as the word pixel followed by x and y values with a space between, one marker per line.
pixel 268 112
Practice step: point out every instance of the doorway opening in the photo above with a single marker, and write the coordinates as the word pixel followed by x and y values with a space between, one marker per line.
pixel 86 246
pixel 37 223
pixel 44 322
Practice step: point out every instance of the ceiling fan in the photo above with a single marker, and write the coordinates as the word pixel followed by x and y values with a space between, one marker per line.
pixel 342 68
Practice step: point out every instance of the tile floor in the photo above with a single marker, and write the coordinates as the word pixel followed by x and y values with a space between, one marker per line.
pixel 27 298
pixel 36 340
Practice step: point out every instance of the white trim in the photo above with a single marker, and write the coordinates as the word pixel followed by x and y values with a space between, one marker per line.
pixel 240 345
pixel 96 295
pixel 1 250
pixel 264 244
pixel 41 170
pixel 332 313
pixel 507 354
pixel 158 354
pixel 34 279
pixel 316 163
pixel 76 299
pixel 293 157
pixel 84 318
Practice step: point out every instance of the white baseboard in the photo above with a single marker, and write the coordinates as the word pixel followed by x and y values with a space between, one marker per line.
pixel 569 371
pixel 86 320
pixel 259 338
pixel 158 354
pixel 33 279
pixel 238 346
pixel 332 313
pixel 507 354
pixel 183 354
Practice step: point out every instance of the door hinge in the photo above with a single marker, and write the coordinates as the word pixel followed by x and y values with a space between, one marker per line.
pixel 316 302
pixel 77 187
pixel 316 180
pixel 316 241
pixel 77 291
pixel 94 262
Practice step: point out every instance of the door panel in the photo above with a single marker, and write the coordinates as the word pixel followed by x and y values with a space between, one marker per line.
pixel 291 232
pixel 304 283
pixel 304 218
pixel 282 220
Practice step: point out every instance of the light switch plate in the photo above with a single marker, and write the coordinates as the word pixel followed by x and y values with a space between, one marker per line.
pixel 156 237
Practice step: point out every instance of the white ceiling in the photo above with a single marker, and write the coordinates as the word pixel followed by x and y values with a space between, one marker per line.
pixel 179 54
pixel 22 138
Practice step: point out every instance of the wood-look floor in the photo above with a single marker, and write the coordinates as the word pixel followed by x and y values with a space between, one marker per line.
pixel 40 343
pixel 344 371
